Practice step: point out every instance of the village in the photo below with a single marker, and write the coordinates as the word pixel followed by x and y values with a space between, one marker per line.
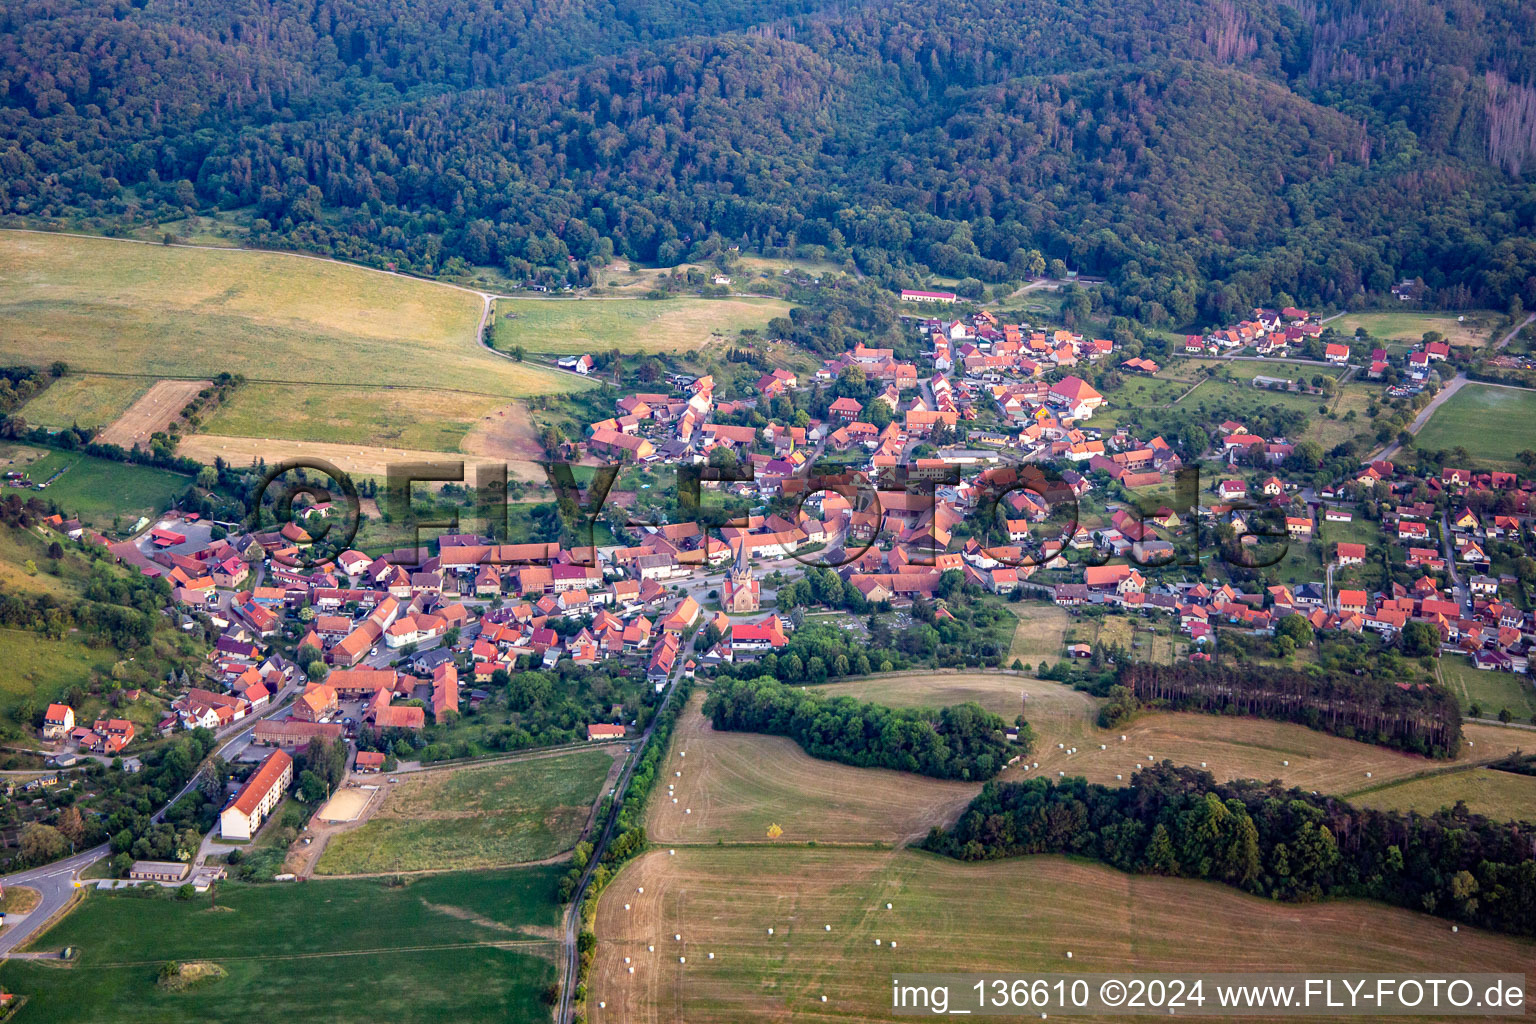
pixel 986 464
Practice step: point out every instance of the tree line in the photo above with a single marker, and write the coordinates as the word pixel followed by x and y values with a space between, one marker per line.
pixel 961 742
pixel 1204 155
pixel 1263 839
pixel 1422 719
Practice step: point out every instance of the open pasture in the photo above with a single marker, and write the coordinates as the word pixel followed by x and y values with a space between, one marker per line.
pixel 1494 794
pixel 469 946
pixel 101 490
pixel 573 326
pixel 737 784
pixel 473 817
pixel 1494 424
pixel 1409 328
pixel 123 307
pixel 1017 916
pixel 1491 691
pixel 1040 633
pixel 84 400
pixel 409 418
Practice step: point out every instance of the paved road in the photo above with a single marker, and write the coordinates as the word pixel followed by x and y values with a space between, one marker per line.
pixel 572 924
pixel 56 883
pixel 1456 384
pixel 1462 596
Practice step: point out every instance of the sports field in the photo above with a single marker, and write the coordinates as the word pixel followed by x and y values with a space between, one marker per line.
pixel 1500 795
pixel 734 785
pixel 574 326
pixel 100 491
pixel 1018 916
pixel 469 946
pixel 1409 328
pixel 1230 747
pixel 85 400
pixel 1494 424
pixel 482 816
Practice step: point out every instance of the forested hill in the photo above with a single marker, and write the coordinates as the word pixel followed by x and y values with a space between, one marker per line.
pixel 1204 155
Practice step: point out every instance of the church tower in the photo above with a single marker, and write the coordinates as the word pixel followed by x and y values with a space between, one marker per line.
pixel 741 589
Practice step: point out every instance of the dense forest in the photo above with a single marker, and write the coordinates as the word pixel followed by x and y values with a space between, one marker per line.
pixel 1204 155
pixel 1423 719
pixel 1263 839
pixel 961 742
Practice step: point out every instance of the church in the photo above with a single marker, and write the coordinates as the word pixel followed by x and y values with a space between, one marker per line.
pixel 741 589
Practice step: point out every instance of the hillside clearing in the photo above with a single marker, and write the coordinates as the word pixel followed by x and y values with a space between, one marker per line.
pixel 574 326
pixel 109 305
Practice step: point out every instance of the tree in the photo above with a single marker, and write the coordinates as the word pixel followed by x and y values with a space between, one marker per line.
pixel 1420 638
pixel 1297 628
pixel 42 843
pixel 1161 859
pixel 72 826
pixel 312 788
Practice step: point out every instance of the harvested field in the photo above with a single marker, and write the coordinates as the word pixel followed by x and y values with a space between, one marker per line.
pixel 736 784
pixel 359 460
pixel 507 434
pixel 1016 915
pixel 156 410
pixel 1231 747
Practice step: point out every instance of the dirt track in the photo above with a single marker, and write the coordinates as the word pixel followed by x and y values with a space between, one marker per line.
pixel 156 410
